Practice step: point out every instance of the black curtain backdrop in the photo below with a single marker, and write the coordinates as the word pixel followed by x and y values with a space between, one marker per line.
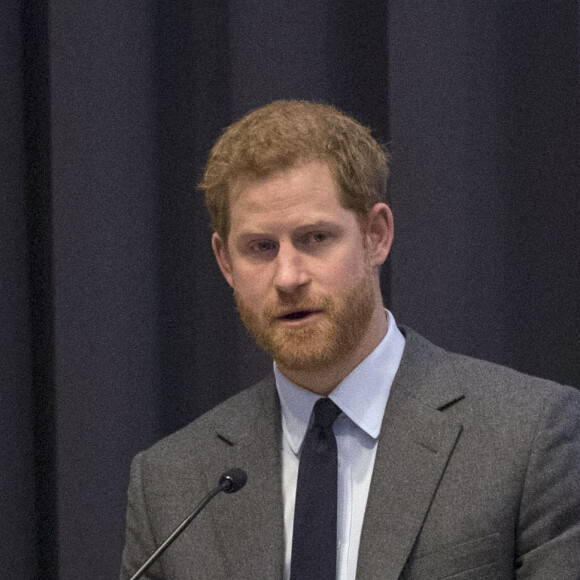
pixel 115 325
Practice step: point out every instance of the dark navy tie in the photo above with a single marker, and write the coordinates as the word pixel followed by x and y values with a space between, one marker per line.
pixel 314 535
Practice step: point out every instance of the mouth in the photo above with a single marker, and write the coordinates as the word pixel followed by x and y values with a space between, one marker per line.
pixel 298 315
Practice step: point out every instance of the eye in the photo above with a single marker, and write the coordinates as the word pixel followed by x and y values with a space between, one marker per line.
pixel 262 246
pixel 315 238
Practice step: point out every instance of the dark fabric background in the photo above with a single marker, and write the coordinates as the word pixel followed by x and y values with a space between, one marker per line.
pixel 115 325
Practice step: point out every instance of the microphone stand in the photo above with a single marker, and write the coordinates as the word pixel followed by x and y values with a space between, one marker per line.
pixel 224 485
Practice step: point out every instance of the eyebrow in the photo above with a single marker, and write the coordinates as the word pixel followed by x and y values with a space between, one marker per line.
pixel 316 225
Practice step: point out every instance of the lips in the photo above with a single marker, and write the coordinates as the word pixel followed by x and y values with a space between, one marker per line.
pixel 298 314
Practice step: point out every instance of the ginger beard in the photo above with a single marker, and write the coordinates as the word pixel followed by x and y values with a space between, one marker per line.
pixel 321 342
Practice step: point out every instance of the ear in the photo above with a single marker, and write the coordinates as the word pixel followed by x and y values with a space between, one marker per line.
pixel 379 233
pixel 222 255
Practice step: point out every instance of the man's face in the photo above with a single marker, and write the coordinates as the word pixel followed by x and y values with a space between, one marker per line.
pixel 305 284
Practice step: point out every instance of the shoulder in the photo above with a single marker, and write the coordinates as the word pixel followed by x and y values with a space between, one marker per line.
pixel 484 387
pixel 514 467
pixel 237 417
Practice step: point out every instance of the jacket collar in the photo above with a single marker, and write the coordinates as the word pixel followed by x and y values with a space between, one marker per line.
pixel 416 442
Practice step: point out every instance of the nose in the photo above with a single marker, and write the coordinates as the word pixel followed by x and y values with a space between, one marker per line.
pixel 290 269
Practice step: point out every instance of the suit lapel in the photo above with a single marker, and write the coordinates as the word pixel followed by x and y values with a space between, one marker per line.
pixel 252 541
pixel 414 447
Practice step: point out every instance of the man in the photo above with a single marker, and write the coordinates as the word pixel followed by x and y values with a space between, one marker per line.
pixel 445 466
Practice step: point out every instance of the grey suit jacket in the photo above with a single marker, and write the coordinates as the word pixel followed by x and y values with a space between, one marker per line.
pixel 477 475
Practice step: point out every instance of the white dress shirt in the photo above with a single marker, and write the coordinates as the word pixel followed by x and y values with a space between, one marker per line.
pixel 362 397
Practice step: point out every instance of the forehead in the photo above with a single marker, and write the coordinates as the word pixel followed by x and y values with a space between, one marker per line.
pixel 302 193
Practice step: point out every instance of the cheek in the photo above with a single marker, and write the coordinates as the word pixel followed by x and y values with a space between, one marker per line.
pixel 250 285
pixel 347 270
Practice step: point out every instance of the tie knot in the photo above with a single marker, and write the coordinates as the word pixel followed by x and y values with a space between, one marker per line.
pixel 325 413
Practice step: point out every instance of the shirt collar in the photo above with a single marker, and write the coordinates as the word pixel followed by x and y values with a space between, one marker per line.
pixel 362 395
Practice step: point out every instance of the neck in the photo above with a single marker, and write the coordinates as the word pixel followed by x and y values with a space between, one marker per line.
pixel 324 381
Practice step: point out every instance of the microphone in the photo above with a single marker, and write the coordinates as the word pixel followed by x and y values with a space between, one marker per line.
pixel 230 481
pixel 233 480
